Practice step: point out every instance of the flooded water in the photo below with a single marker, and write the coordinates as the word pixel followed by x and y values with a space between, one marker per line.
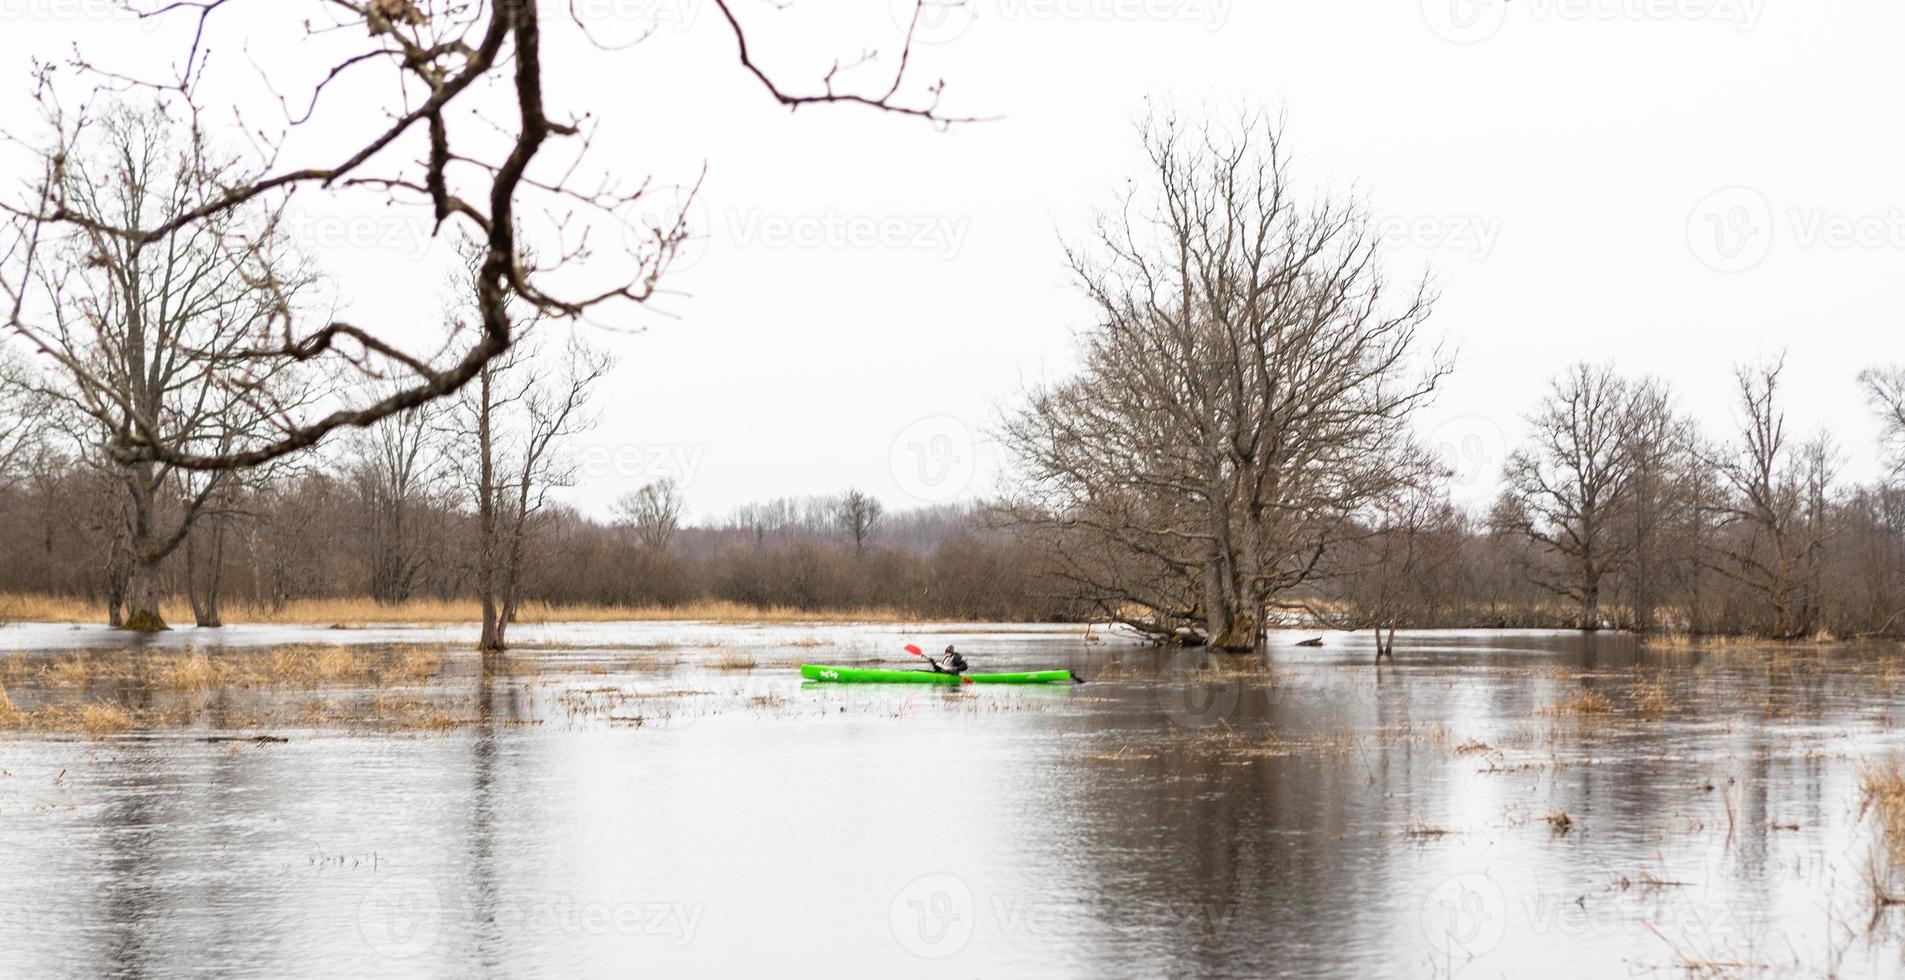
pixel 671 800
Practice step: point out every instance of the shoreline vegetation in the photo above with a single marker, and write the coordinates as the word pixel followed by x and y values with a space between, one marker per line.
pixel 360 613
pixel 351 613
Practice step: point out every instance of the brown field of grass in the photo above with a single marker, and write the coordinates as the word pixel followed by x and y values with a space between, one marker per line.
pixel 292 666
pixel 430 612
pixel 88 702
pixel 1728 641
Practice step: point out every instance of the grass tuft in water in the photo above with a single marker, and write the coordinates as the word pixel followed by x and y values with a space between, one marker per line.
pixel 1882 798
pixel 734 661
pixel 1584 702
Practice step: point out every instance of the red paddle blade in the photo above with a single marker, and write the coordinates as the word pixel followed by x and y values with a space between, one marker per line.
pixel 915 651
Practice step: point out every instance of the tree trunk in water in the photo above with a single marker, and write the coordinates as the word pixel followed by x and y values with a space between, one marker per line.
pixel 494 637
pixel 1591 609
pixel 142 599
pixel 118 568
pixel 1385 647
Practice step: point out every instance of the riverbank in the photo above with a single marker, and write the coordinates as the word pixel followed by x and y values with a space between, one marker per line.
pixel 360 612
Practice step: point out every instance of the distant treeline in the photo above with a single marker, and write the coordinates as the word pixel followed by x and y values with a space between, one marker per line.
pixel 349 534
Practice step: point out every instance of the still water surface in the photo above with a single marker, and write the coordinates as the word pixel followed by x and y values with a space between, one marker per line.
pixel 631 800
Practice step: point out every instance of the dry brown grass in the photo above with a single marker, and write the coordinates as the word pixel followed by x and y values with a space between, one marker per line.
pixel 364 612
pixel 71 672
pixel 191 674
pixel 1882 797
pixel 1651 697
pixel 1722 641
pixel 1583 702
pixel 307 666
pixel 93 718
pixel 734 660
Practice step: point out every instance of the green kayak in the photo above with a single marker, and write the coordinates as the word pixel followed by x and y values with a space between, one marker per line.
pixel 863 675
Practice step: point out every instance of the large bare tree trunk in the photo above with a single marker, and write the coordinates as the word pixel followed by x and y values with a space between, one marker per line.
pixel 118 572
pixel 143 592
pixel 143 587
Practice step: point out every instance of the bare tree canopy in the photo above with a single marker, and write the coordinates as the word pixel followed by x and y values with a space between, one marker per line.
pixel 1776 502
pixel 1399 571
pixel 1885 388
pixel 1574 486
pixel 518 417
pixel 858 516
pixel 653 513
pixel 448 101
pixel 400 469
pixel 1245 392
pixel 154 338
pixel 21 404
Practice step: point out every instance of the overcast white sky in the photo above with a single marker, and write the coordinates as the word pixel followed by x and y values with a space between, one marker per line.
pixel 1672 184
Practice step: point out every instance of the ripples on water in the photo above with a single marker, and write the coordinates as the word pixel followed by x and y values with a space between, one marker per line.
pixel 637 800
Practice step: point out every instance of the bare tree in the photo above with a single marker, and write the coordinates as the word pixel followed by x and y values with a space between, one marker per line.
pixel 1659 520
pixel 761 519
pixel 1397 572
pixel 1881 510
pixel 1244 394
pixel 653 513
pixel 22 408
pixel 427 145
pixel 1574 481
pixel 205 558
pixel 400 473
pixel 518 416
pixel 1885 388
pixel 153 338
pixel 1773 512
pixel 858 516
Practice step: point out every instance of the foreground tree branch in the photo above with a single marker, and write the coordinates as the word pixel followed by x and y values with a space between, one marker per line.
pixel 441 63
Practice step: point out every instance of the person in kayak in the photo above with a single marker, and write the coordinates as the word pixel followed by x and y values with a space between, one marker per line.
pixel 954 665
